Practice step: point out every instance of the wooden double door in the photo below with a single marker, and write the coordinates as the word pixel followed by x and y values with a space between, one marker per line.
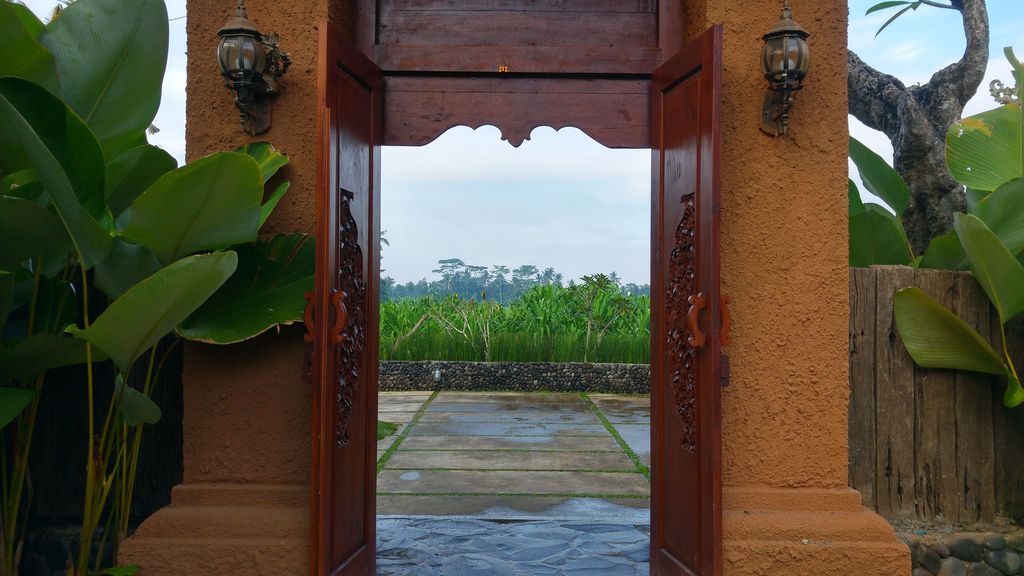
pixel 686 321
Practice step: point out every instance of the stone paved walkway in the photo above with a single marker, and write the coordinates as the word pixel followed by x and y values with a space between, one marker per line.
pixel 512 483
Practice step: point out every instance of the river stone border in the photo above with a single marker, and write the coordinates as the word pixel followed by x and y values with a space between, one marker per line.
pixel 966 554
pixel 516 377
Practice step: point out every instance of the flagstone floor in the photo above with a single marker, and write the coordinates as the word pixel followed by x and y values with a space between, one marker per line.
pixel 498 483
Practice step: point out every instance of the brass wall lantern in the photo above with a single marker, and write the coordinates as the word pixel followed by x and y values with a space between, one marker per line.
pixel 251 64
pixel 785 60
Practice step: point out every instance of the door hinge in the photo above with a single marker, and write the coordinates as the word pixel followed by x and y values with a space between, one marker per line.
pixel 724 375
pixel 307 367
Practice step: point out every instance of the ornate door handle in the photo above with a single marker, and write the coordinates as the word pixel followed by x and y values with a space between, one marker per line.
pixel 697 303
pixel 307 318
pixel 340 316
pixel 726 337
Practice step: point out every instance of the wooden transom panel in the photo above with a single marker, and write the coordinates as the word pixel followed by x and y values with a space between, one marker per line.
pixel 515 64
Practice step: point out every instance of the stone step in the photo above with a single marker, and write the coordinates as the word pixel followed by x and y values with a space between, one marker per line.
pixel 273 523
pixel 264 495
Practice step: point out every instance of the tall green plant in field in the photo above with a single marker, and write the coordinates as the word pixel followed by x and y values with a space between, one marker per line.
pixel 91 213
pixel 985 154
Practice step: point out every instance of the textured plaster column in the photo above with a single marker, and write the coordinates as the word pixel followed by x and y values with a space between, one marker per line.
pixel 784 260
pixel 244 505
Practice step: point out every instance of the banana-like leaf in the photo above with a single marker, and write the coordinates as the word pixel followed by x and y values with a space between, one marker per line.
pixel 1002 211
pixel 56 308
pixel 24 57
pixel 132 172
pixel 984 151
pixel 12 402
pixel 125 266
pixel 937 338
pixel 32 24
pixel 22 184
pixel 111 56
pixel 267 290
pixel 268 157
pixel 854 199
pixel 879 178
pixel 974 197
pixel 152 308
pixel 998 271
pixel 268 207
pixel 136 408
pixel 209 204
pixel 67 158
pixel 27 230
pixel 877 238
pixel 1014 395
pixel 40 353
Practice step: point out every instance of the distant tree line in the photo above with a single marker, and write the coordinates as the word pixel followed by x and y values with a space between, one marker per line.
pixel 492 283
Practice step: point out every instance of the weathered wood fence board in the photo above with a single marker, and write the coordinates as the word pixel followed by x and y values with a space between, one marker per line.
pixel 929 443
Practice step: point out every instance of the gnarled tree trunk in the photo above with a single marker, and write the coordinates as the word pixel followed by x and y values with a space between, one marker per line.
pixel 916 119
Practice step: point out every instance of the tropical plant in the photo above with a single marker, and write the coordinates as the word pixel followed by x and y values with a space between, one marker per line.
pixel 108 250
pixel 546 324
pixel 985 154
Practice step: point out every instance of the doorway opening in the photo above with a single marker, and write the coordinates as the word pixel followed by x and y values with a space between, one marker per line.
pixel 514 407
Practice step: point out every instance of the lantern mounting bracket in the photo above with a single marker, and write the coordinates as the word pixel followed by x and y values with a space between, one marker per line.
pixel 251 63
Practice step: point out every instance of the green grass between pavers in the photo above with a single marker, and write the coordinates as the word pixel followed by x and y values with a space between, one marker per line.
pixel 640 466
pixel 546 495
pixel 383 460
pixel 385 429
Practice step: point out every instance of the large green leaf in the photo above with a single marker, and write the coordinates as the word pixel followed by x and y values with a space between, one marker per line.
pixel 879 178
pixel 132 172
pixel 32 24
pixel 12 402
pixel 936 338
pixel 877 238
pixel 125 266
pixel 27 230
pixel 111 55
pixel 984 151
pixel 136 408
pixel 209 204
pixel 998 271
pixel 152 308
pixel 66 156
pixel 1002 211
pixel 267 290
pixel 268 207
pixel 23 56
pixel 856 204
pixel 268 157
pixel 40 353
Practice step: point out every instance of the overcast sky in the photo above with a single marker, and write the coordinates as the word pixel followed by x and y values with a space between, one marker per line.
pixel 561 199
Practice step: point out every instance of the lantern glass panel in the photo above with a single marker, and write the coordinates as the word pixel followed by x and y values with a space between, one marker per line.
pixel 227 54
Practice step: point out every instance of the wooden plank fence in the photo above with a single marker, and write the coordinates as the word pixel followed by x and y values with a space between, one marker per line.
pixel 931 444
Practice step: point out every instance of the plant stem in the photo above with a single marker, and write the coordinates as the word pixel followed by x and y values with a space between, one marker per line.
pixel 128 490
pixel 88 523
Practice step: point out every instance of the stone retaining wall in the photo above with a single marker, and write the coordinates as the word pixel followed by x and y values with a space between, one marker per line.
pixel 966 554
pixel 470 376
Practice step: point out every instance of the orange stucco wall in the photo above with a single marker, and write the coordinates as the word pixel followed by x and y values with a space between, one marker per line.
pixel 784 235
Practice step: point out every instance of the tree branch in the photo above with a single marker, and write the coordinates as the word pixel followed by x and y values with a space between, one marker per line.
pixel 874 96
pixel 961 79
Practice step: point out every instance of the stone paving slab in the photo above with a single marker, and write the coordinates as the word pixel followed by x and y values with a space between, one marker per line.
pixel 503 460
pixel 639 439
pixel 636 510
pixel 396 417
pixel 400 406
pixel 531 416
pixel 533 443
pixel 422 394
pixel 512 397
pixel 624 409
pixel 502 482
pixel 440 405
pixel 508 429
pixel 478 547
pixel 386 443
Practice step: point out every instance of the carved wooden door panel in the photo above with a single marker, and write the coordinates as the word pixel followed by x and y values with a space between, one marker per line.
pixel 344 317
pixel 686 324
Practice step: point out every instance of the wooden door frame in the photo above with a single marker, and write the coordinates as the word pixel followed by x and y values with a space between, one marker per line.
pixel 711 530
